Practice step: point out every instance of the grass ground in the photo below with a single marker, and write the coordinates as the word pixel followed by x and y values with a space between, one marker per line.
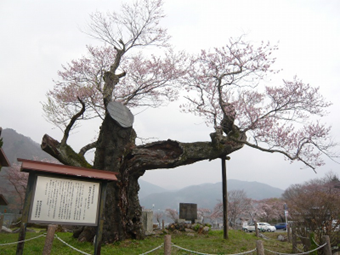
pixel 212 243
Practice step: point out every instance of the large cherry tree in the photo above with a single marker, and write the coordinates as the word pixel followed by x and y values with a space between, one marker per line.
pixel 223 85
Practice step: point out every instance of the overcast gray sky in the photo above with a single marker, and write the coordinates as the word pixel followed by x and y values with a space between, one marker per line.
pixel 37 37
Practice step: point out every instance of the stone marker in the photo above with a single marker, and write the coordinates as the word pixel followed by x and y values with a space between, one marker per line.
pixel 147 217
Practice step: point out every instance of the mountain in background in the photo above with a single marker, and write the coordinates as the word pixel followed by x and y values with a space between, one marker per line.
pixel 147 188
pixel 19 146
pixel 204 195
pixel 151 196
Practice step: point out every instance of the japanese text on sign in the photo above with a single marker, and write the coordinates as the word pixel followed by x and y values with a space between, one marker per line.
pixel 65 200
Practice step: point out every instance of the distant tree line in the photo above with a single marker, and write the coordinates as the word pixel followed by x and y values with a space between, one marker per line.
pixel 313 209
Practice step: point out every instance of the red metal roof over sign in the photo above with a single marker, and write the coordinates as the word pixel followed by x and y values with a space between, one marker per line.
pixel 30 165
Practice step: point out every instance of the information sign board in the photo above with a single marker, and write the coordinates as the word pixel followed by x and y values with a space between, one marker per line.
pixel 65 201
pixel 188 211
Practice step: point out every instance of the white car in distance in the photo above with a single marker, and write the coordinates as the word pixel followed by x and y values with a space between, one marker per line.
pixel 262 226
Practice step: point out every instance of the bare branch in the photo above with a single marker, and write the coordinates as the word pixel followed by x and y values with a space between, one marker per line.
pixel 72 121
pixel 138 25
pixel 291 157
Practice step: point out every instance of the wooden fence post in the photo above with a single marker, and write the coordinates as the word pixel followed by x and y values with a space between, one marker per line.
pixel 1 221
pixel 294 239
pixel 49 239
pixel 327 248
pixel 256 229
pixel 167 245
pixel 308 244
pixel 288 228
pixel 259 247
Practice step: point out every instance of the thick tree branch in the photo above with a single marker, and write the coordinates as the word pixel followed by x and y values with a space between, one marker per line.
pixel 170 154
pixel 64 153
pixel 111 78
pixel 161 154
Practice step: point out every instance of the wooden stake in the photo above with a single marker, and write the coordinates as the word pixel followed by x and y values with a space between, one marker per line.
pixel 167 245
pixel 327 250
pixel 49 239
pixel 259 247
pixel 1 221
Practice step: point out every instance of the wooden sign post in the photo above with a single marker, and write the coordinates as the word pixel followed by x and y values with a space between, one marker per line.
pixel 59 194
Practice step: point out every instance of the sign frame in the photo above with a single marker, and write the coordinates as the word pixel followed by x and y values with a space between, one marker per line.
pixel 37 168
pixel 61 177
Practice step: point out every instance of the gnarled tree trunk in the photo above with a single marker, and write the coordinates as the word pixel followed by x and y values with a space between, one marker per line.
pixel 123 211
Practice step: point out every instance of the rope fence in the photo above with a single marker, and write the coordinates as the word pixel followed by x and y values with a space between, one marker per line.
pixel 2 244
pixel 70 245
pixel 176 246
pixel 16 223
pixel 191 251
pixel 315 242
pixel 299 249
pixel 302 253
pixel 196 252
pixel 158 247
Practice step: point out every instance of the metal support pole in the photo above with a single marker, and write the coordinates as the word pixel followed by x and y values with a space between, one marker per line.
pixel 225 198
pixel 98 240
pixel 25 212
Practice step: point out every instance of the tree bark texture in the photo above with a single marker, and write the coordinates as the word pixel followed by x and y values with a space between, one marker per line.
pixel 116 151
pixel 123 212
